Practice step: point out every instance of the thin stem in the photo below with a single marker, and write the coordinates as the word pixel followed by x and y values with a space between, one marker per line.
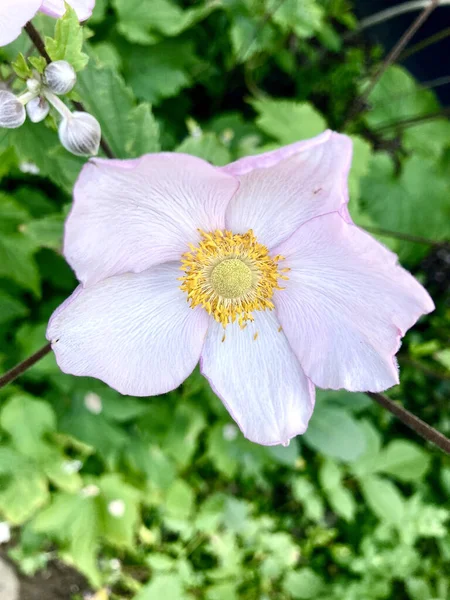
pixel 395 11
pixel 58 104
pixel 411 121
pixel 37 40
pixel 404 236
pixel 360 103
pixel 26 97
pixel 429 41
pixel 427 432
pixel 24 366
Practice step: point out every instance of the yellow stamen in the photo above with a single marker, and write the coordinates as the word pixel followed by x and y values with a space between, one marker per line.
pixel 231 276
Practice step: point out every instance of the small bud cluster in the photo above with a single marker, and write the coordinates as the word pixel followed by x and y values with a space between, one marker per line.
pixel 79 132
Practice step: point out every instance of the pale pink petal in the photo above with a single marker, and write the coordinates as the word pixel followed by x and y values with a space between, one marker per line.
pixel 136 332
pixel 260 381
pixel 56 8
pixel 346 305
pixel 281 190
pixel 13 16
pixel 129 215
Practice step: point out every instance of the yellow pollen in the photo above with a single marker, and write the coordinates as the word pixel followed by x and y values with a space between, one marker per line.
pixel 231 276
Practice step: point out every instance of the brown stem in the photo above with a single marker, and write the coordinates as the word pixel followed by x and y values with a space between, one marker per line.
pixel 411 121
pixel 24 366
pixel 37 40
pixel 404 236
pixel 360 103
pixel 427 432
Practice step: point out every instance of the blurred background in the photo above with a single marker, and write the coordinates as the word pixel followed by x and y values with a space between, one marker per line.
pixel 116 498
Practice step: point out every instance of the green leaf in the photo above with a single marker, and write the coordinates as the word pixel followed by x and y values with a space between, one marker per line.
pixel 106 96
pixel 25 489
pixel 303 584
pixel 27 420
pixel 143 131
pixel 143 26
pixel 305 493
pixel 304 18
pixel 404 460
pixel 161 71
pixel 46 232
pixel 335 433
pixel 117 528
pixel 179 500
pixel 74 520
pixel 206 146
pixel 384 498
pixel 68 41
pixel 38 62
pixel 11 308
pixel 21 67
pixel 168 587
pixel 288 121
pixel 17 262
pixel 395 202
pixel 181 439
pixel 339 497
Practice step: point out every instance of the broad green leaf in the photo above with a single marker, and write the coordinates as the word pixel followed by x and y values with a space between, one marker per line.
pixel 206 146
pixel 396 203
pixel 288 121
pixel 144 131
pixel 68 41
pixel 181 439
pixel 143 26
pixel 17 262
pixel 303 584
pixel 21 67
pixel 167 587
pixel 107 98
pixel 179 500
pixel 384 498
pixel 250 36
pixel 404 460
pixel 163 70
pixel 23 489
pixel 335 433
pixel 119 510
pixel 352 401
pixel 367 462
pixel 46 232
pixel 74 520
pixel 11 308
pixel 304 18
pixel 27 420
pixel 339 497
pixel 305 493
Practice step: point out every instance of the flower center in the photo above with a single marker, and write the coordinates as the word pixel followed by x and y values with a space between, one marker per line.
pixel 231 276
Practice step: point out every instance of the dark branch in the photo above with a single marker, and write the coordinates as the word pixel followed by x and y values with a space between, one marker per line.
pixel 37 40
pixel 427 432
pixel 24 366
pixel 360 103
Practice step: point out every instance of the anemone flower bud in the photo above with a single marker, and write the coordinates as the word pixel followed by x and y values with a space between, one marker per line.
pixel 80 134
pixel 60 77
pixel 37 109
pixel 12 111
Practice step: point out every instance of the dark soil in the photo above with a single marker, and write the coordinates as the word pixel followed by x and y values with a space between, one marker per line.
pixel 56 582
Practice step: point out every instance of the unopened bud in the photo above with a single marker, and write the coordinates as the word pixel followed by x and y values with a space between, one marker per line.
pixel 60 77
pixel 80 134
pixel 37 109
pixel 12 112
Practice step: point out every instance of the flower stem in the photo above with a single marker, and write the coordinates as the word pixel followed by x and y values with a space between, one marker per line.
pixel 24 366
pixel 58 104
pixel 361 102
pixel 37 40
pixel 427 432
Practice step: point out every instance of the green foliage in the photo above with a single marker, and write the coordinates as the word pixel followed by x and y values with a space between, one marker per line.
pixel 163 497
pixel 68 41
